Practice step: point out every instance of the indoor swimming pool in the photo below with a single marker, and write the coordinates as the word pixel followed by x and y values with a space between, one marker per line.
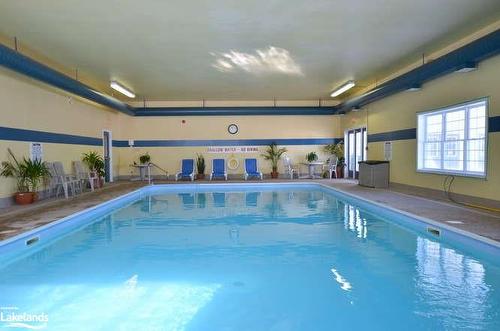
pixel 247 257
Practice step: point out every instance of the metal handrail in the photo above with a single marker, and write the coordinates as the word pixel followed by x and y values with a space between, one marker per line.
pixel 160 168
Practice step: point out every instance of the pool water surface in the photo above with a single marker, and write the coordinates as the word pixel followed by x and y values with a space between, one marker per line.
pixel 250 258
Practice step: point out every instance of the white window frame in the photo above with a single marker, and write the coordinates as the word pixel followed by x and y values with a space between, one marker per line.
pixel 449 109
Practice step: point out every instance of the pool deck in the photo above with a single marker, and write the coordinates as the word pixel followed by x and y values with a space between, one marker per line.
pixel 17 219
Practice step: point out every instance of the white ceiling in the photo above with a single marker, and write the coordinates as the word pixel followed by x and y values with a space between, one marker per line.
pixel 285 49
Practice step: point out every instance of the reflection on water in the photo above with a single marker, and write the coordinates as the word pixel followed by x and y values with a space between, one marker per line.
pixel 354 222
pixel 297 259
pixel 449 279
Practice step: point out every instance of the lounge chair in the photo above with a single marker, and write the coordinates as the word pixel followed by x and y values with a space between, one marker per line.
pixel 290 169
pixel 66 182
pixel 83 175
pixel 251 169
pixel 218 169
pixel 187 170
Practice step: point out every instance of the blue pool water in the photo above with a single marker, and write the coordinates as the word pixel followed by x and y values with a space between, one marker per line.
pixel 248 258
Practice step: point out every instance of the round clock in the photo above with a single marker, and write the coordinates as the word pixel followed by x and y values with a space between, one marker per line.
pixel 232 129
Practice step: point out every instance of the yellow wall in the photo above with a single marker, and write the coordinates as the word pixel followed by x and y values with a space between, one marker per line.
pixel 399 112
pixel 26 105
pixel 215 127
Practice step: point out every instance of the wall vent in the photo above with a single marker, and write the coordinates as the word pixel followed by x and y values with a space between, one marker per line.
pixel 32 241
pixel 434 231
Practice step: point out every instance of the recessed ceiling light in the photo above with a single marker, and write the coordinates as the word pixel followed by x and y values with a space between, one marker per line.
pixel 342 88
pixel 122 89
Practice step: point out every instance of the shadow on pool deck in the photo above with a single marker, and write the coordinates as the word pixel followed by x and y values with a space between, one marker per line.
pixel 18 219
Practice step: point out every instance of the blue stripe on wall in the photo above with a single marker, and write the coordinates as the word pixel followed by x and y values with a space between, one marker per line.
pixel 393 135
pixel 47 137
pixel 494 124
pixel 233 142
pixel 60 138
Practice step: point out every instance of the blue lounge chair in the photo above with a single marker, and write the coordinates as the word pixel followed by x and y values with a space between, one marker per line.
pixel 187 170
pixel 251 169
pixel 218 169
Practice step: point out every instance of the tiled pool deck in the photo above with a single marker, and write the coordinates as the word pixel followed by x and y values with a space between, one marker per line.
pixel 18 219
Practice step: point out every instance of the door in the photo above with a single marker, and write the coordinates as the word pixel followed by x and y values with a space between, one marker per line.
pixel 106 144
pixel 356 141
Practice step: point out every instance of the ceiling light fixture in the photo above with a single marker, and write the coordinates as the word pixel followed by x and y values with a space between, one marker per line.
pixel 343 88
pixel 467 67
pixel 356 108
pixel 415 88
pixel 122 89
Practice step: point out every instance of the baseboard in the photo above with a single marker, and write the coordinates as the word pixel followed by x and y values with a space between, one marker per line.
pixel 434 194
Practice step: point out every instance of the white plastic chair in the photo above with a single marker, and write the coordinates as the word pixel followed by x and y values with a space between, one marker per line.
pixel 83 175
pixel 332 166
pixel 290 169
pixel 64 181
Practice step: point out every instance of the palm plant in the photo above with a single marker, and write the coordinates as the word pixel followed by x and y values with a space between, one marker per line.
pixel 273 154
pixel 36 172
pixel 200 164
pixel 337 150
pixel 95 162
pixel 15 169
pixel 28 173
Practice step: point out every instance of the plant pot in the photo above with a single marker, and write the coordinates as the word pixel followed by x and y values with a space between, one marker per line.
pixel 274 174
pixel 200 176
pixel 23 198
pixel 101 182
pixel 35 196
pixel 340 171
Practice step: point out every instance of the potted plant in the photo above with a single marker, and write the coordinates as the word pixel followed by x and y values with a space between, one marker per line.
pixel 95 162
pixel 312 157
pixel 29 175
pixel 145 158
pixel 273 154
pixel 337 150
pixel 200 166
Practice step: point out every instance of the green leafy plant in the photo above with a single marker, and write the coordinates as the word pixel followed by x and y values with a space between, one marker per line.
pixel 337 150
pixel 311 157
pixel 145 158
pixel 95 162
pixel 28 173
pixel 273 154
pixel 200 164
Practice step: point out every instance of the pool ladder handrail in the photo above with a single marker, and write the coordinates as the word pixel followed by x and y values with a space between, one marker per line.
pixel 150 181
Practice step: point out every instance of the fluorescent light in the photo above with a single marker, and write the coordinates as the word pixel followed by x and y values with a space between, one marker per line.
pixel 415 88
pixel 120 88
pixel 356 108
pixel 467 67
pixel 344 87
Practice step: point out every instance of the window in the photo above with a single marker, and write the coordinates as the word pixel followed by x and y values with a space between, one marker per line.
pixel 453 140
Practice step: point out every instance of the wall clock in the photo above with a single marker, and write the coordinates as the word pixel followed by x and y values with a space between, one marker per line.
pixel 232 129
